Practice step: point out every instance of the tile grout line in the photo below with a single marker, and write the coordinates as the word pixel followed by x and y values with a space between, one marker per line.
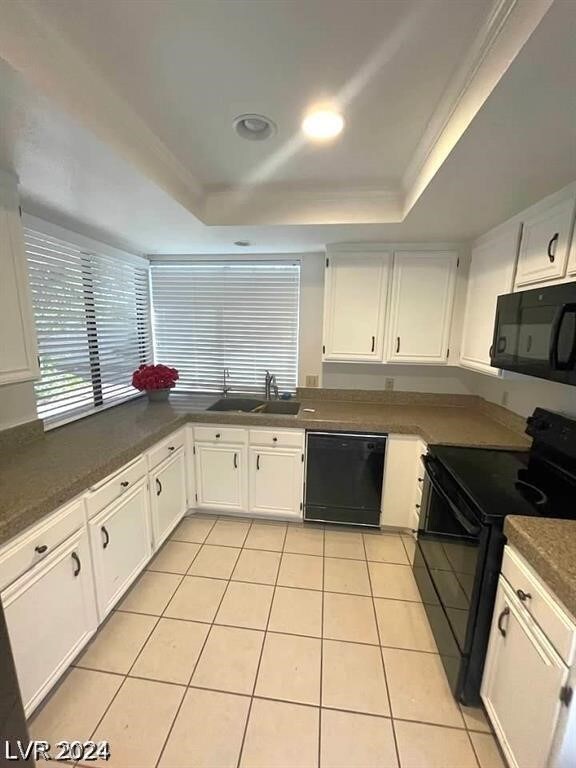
pixel 187 687
pixel 321 651
pixel 249 713
pixel 382 660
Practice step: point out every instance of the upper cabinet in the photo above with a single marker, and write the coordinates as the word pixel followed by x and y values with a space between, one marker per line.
pixel 491 274
pixel 356 289
pixel 421 306
pixel 545 244
pixel 18 356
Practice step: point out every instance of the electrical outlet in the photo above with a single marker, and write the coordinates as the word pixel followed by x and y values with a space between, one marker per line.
pixel 504 400
pixel 389 384
pixel 312 381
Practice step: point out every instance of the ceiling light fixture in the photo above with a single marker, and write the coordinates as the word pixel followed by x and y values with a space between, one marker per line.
pixel 254 127
pixel 323 124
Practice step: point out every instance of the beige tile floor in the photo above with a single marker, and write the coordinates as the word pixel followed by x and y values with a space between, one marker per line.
pixel 248 644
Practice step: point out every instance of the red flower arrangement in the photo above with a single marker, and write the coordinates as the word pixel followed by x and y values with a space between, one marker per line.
pixel 151 377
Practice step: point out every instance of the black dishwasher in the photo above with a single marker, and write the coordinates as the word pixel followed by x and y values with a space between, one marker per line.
pixel 344 473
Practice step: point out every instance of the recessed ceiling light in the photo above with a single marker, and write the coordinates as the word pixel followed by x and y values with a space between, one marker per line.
pixel 323 124
pixel 242 243
pixel 254 127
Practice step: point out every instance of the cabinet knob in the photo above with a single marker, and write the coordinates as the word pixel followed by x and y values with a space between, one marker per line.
pixel 275 439
pixel 41 548
pixel 171 447
pixel 417 506
pixel 217 434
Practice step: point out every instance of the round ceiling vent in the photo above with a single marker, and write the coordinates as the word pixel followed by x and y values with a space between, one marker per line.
pixel 254 127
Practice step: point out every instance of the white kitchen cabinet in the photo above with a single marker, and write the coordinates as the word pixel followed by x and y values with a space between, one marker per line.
pixel 167 496
pixel 221 477
pixel 403 478
pixel 18 353
pixel 491 274
pixel 190 468
pixel 545 244
pixel 523 677
pixel 356 286
pixel 421 306
pixel 51 614
pixel 120 539
pixel 275 482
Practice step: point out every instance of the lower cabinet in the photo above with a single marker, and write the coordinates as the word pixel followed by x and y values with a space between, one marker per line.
pixel 275 481
pixel 220 473
pixel 403 478
pixel 522 680
pixel 51 614
pixel 167 496
pixel 120 539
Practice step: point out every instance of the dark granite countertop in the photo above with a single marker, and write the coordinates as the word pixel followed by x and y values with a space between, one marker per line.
pixel 549 546
pixel 38 476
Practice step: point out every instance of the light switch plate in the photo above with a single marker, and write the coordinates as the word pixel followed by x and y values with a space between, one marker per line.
pixel 389 384
pixel 312 381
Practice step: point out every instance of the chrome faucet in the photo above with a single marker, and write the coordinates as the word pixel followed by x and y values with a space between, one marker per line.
pixel 270 386
pixel 225 385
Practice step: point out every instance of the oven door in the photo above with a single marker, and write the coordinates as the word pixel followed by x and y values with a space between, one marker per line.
pixel 448 568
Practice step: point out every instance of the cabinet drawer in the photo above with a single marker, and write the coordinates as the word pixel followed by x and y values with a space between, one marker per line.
pixel 166 448
pixel 540 605
pixel 221 435
pixel 269 437
pixel 112 488
pixel 34 545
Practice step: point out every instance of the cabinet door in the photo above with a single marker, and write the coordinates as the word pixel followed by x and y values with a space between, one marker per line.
pixel 276 482
pixel 522 679
pixel 18 354
pixel 401 488
pixel 120 538
pixel 491 274
pixel 220 477
pixel 51 614
pixel 421 310
pixel 545 243
pixel 355 306
pixel 168 496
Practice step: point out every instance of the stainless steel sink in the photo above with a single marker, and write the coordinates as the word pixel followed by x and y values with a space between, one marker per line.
pixel 280 407
pixel 242 404
pixel 252 405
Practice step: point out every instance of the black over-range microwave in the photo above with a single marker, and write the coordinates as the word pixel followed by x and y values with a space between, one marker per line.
pixel 535 333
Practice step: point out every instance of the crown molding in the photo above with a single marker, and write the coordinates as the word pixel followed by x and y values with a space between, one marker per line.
pixel 506 30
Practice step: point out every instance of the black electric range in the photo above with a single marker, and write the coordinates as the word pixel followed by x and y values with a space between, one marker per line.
pixel 466 496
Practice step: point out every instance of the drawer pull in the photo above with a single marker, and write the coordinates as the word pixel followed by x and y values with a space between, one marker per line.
pixel 274 439
pixel 125 483
pixel 397 344
pixel 258 461
pixel 171 447
pixel 501 618
pixel 373 343
pixel 420 479
pixel 524 596
pixel 158 487
pixel 41 548
pixel 235 461
pixel 106 536
pixel 417 506
pixel 77 563
pixel 218 435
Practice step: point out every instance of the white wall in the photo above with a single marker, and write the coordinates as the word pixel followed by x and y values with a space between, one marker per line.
pixel 17 404
pixel 522 394
pixel 311 309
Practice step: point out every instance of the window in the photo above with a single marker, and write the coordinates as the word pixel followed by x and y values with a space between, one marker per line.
pixel 242 315
pixel 93 325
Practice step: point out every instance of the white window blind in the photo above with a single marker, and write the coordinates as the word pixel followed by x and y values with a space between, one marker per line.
pixel 211 315
pixel 93 325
